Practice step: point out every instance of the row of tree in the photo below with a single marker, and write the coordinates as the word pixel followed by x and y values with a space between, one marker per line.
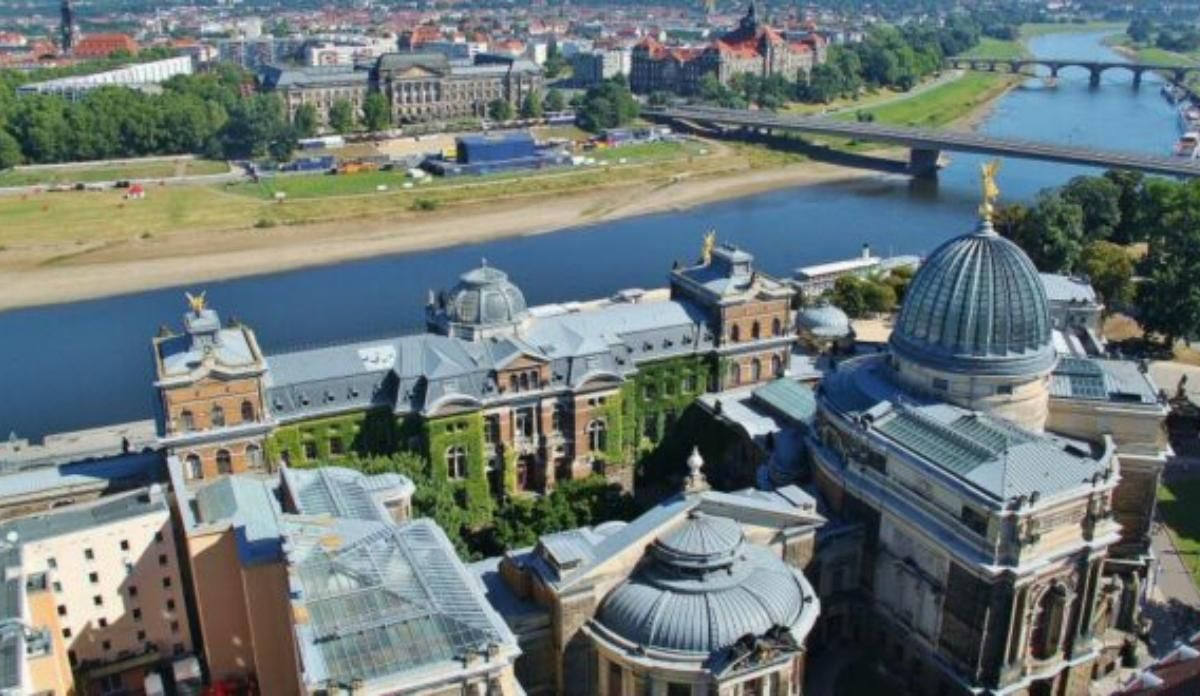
pixel 1180 39
pixel 1093 226
pixel 863 296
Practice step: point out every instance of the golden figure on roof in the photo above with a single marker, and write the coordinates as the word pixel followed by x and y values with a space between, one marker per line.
pixel 991 192
pixel 195 302
pixel 710 243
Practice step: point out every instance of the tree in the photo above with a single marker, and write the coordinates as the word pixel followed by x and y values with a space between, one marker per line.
pixel 609 104
pixel 849 296
pixel 555 64
pixel 1130 202
pixel 10 150
pixel 1140 30
pixel 377 113
pixel 554 101
pixel 531 105
pixel 878 296
pixel 1110 270
pixel 1100 200
pixel 500 110
pixel 255 123
pixel 1053 234
pixel 304 121
pixel 1169 297
pixel 341 116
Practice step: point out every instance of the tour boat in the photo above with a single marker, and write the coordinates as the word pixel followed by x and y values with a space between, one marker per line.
pixel 1189 145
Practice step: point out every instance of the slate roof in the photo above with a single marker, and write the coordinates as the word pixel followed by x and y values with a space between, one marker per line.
pixel 274 77
pixel 789 398
pixel 990 456
pixel 1091 379
pixel 1061 288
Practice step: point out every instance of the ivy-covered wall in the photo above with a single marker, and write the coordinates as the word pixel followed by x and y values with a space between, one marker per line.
pixel 465 430
pixel 363 433
pixel 657 396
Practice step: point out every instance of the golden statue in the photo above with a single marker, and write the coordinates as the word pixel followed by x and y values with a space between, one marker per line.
pixel 991 192
pixel 710 243
pixel 195 302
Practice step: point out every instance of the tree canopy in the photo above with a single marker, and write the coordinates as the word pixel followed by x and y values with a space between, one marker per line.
pixel 609 104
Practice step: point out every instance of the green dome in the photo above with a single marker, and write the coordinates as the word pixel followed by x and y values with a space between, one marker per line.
pixel 977 305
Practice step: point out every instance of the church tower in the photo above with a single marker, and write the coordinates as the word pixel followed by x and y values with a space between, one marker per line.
pixel 67 30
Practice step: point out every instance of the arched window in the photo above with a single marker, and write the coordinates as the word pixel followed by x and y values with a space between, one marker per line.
pixel 254 457
pixel 1049 623
pixel 187 422
pixel 755 331
pixel 217 418
pixel 776 366
pixel 735 334
pixel 776 327
pixel 735 373
pixel 247 412
pixel 755 370
pixel 224 462
pixel 195 470
pixel 456 462
pixel 597 433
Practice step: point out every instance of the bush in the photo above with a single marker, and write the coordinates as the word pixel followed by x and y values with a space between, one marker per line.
pixel 425 204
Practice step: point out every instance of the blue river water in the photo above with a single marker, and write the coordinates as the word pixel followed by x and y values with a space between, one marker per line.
pixel 83 364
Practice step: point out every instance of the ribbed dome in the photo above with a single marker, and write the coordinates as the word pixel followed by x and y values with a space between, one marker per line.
pixel 977 305
pixel 701 589
pixel 485 296
pixel 824 320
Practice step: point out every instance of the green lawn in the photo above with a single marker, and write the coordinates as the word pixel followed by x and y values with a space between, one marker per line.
pixel 323 185
pixel 995 49
pixel 1179 507
pixel 45 176
pixel 941 105
pixel 1029 31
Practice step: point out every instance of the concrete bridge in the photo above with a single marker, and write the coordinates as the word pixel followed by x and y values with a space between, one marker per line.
pixel 925 145
pixel 1095 69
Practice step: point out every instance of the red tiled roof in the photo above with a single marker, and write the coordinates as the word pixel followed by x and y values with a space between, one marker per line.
pixel 104 45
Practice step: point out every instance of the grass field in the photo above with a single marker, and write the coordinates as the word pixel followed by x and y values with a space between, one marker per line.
pixel 996 49
pixel 86 174
pixel 1178 505
pixel 941 105
pixel 1029 31
pixel 106 217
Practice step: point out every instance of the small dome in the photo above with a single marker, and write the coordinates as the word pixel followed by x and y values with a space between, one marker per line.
pixel 485 296
pixel 701 589
pixel 977 305
pixel 824 320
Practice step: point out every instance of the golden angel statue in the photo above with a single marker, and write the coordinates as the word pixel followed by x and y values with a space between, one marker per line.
pixel 710 243
pixel 991 192
pixel 195 302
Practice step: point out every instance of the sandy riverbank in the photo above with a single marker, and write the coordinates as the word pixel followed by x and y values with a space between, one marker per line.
pixel 197 258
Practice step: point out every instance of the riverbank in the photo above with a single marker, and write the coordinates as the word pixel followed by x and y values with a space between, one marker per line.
pixel 31 277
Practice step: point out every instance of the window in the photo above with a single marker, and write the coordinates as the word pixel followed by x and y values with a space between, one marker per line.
pixel 66 633
pixel 735 374
pixel 102 622
pixel 170 605
pixel 1005 389
pixel 93 577
pixel 755 370
pixel 124 544
pixel 158 536
pixel 735 334
pixel 141 636
pixel 224 462
pixel 162 559
pixel 187 422
pixel 512 383
pixel 72 658
pixel 195 470
pixel 776 327
pixel 456 462
pixel 174 627
pixel 1047 638
pixel 218 416
pixel 106 645
pixel 51 563
pixel 524 381
pixel 247 412
pixel 940 384
pixel 335 446
pixel 597 434
pixel 137 614
pixel 132 590
pixel 97 600
pixel 57 586
pixel 89 555
pixel 523 422
pixel 62 610
pixel 776 366
pixel 166 582
pixel 491 429
pixel 254 457
pixel 310 451
pixel 557 417
pixel 755 331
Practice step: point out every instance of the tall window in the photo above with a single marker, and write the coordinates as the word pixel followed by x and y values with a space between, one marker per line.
pixel 218 416
pixel 557 417
pixel 597 433
pixel 735 374
pixel 491 429
pixel 735 334
pixel 187 422
pixel 247 412
pixel 1049 622
pixel 254 456
pixel 755 370
pixel 224 462
pixel 524 381
pixel 512 382
pixel 755 331
pixel 776 366
pixel 523 422
pixel 776 327
pixel 195 470
pixel 456 462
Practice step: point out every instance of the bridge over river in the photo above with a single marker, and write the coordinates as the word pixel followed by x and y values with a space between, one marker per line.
pixel 925 145
pixel 1175 72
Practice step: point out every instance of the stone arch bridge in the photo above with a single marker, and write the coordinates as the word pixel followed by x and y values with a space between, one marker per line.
pixel 1176 73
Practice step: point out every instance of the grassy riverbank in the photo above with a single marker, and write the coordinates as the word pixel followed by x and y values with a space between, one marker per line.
pixel 997 49
pixel 158 169
pixel 943 105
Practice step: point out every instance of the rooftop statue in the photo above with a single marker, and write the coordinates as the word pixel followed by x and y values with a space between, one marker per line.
pixel 196 302
pixel 991 192
pixel 706 249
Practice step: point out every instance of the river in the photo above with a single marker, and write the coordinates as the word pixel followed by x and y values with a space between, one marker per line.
pixel 84 364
